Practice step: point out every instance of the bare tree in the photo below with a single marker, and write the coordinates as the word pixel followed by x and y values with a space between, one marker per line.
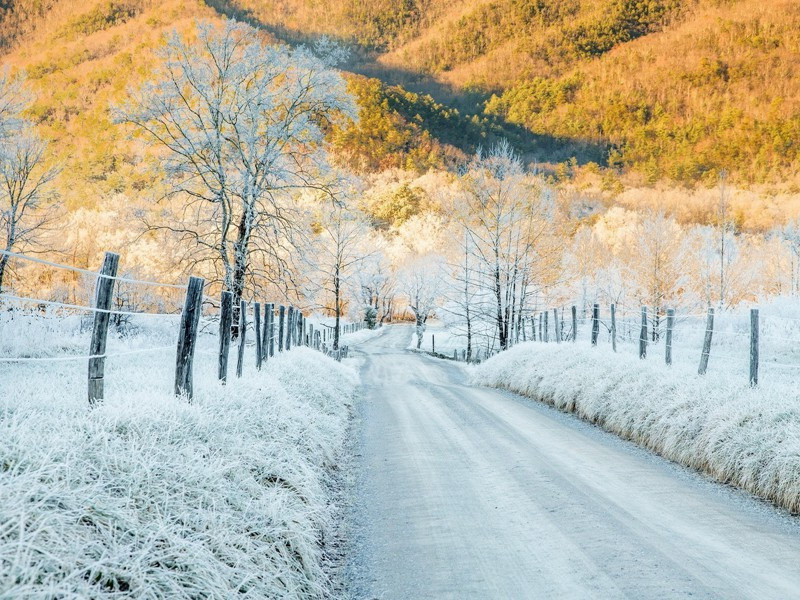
pixel 240 123
pixel 509 220
pixel 376 287
pixel 340 250
pixel 421 281
pixel 25 198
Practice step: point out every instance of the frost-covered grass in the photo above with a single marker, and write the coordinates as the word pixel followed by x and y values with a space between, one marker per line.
pixel 149 496
pixel 717 424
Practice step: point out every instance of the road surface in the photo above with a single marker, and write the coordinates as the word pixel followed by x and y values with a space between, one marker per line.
pixel 465 492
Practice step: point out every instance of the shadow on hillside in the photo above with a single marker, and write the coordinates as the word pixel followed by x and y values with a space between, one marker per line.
pixel 534 147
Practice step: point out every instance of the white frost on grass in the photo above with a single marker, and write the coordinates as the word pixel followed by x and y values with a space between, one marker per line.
pixel 718 424
pixel 148 496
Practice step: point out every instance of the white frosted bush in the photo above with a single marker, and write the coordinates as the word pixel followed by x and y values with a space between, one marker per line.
pixel 149 496
pixel 717 423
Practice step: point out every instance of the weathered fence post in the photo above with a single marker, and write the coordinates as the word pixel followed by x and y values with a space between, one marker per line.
pixel 187 337
pixel 225 323
pixel 533 328
pixel 670 327
pixel 104 292
pixel 281 321
pixel 290 328
pixel 541 333
pixel 556 326
pixel 242 337
pixel 595 323
pixel 270 331
pixel 643 334
pixel 433 344
pixel 574 323
pixel 257 325
pixel 614 327
pixel 753 346
pixel 546 326
pixel 701 370
pixel 455 354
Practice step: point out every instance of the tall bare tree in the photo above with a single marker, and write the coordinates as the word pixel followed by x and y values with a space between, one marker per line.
pixel 509 220
pixel 240 124
pixel 25 196
pixel 421 281
pixel 340 249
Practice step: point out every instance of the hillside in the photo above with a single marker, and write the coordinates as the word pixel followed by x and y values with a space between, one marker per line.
pixel 670 89
pixel 673 90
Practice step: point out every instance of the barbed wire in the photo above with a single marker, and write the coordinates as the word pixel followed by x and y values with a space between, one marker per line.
pixel 26 299
pixel 84 357
pixel 92 273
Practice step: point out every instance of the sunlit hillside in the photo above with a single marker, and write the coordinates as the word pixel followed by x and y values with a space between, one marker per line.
pixel 642 92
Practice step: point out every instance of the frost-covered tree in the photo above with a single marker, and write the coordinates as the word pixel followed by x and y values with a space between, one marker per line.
pixel 25 178
pixel 339 250
pixel 239 124
pixel 421 281
pixel 509 219
pixel 376 283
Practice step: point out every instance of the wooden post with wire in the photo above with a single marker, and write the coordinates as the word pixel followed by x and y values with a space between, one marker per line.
pixel 643 335
pixel 546 327
pixel 753 347
pixel 281 328
pixel 614 327
pixel 670 327
pixel 701 370
pixel 257 326
pixel 556 326
pixel 187 338
pixel 269 332
pixel 595 323
pixel 289 328
pixel 574 323
pixel 242 337
pixel 225 324
pixel 104 292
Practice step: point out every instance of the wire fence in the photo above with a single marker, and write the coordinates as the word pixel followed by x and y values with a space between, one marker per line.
pixel 267 328
pixel 751 344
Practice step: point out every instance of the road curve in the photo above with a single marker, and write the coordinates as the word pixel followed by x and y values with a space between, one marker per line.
pixel 465 492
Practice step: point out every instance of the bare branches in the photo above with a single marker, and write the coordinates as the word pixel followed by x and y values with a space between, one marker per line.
pixel 238 123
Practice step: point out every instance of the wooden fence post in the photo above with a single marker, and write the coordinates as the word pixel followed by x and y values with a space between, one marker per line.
pixel 433 344
pixel 614 327
pixel 574 323
pixel 242 337
pixel 281 328
pixel 546 326
pixel 541 333
pixel 670 327
pixel 754 346
pixel 289 328
pixel 270 331
pixel 104 293
pixel 643 334
pixel 187 337
pixel 257 325
pixel 556 326
pixel 225 323
pixel 595 323
pixel 701 370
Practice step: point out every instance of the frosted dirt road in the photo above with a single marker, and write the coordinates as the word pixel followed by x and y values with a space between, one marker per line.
pixel 468 492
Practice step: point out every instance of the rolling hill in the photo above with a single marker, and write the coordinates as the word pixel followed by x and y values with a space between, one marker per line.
pixel 657 90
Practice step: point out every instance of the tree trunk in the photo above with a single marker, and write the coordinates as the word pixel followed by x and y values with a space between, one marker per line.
pixel 337 307
pixel 3 263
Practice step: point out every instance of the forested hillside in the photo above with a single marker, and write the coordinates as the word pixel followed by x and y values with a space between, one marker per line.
pixel 653 90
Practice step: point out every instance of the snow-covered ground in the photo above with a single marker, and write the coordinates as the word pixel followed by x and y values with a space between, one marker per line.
pixel 716 423
pixel 471 492
pixel 148 496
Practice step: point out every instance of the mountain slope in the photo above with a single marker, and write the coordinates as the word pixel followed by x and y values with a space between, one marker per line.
pixel 660 89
